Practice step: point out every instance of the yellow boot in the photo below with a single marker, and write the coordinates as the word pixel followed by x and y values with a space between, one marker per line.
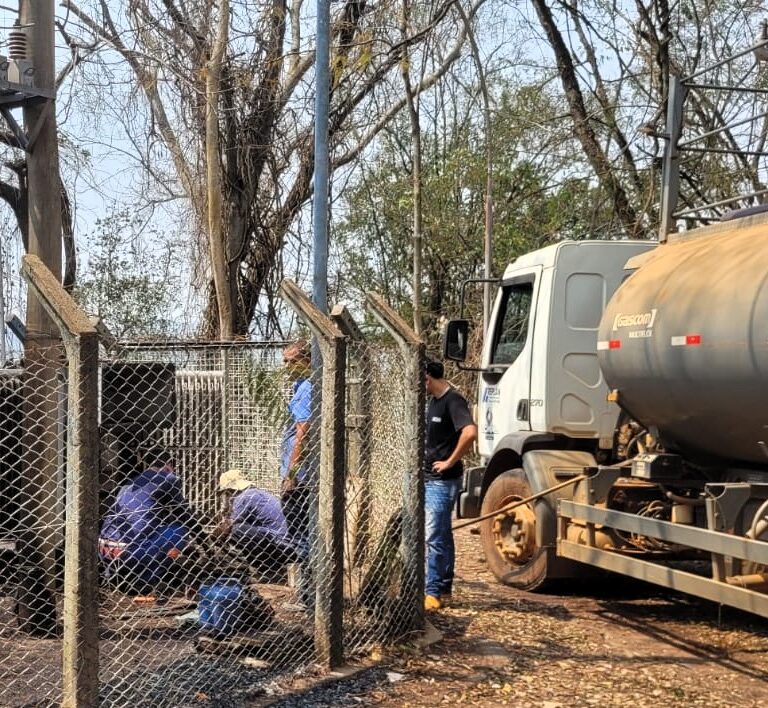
pixel 432 603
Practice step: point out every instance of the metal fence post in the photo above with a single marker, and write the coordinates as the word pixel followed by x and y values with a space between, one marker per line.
pixel 414 351
pixel 329 568
pixel 80 653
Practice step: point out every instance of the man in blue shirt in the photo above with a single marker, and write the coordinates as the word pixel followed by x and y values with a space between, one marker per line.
pixel 255 525
pixel 296 465
pixel 148 527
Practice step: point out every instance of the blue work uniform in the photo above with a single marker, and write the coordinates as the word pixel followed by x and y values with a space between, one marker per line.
pixel 260 530
pixel 300 411
pixel 145 530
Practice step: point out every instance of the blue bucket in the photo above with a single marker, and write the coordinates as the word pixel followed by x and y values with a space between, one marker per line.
pixel 220 606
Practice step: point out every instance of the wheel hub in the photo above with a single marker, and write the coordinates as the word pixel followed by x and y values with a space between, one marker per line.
pixel 514 532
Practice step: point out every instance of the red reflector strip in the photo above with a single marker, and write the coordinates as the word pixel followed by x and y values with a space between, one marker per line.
pixel 609 344
pixel 686 340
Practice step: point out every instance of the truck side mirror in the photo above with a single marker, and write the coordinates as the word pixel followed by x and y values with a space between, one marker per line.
pixel 455 338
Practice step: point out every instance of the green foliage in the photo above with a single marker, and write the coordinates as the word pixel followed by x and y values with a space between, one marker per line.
pixel 535 202
pixel 127 278
pixel 267 389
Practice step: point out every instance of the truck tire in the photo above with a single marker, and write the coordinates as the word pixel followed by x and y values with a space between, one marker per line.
pixel 509 543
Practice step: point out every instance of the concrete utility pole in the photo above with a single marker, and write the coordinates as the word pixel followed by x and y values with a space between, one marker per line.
pixel 43 160
pixel 43 353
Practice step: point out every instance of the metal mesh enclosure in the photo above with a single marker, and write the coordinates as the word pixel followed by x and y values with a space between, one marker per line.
pixel 377 464
pixel 226 598
pixel 32 429
pixel 207 596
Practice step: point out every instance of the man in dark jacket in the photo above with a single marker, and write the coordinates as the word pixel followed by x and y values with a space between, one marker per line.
pixel 147 528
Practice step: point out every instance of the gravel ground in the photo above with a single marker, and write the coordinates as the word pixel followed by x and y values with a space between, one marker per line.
pixel 612 643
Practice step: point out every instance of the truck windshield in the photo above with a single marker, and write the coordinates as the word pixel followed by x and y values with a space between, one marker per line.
pixel 512 323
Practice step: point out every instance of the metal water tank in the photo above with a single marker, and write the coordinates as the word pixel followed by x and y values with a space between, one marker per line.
pixel 684 341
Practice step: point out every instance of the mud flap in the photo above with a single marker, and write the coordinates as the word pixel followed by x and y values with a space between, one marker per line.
pixel 470 498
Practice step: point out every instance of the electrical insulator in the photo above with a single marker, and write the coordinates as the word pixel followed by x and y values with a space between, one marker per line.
pixel 17 42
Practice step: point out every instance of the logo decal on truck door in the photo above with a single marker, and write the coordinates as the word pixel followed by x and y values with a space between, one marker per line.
pixel 488 431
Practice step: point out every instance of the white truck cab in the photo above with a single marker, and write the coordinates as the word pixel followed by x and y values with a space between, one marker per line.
pixel 542 409
pixel 539 362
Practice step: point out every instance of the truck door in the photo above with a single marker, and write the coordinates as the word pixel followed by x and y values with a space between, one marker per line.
pixel 505 384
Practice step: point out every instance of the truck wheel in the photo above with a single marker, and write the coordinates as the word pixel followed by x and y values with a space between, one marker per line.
pixel 509 539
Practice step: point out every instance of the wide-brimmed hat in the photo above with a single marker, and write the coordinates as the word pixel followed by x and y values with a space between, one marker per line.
pixel 234 480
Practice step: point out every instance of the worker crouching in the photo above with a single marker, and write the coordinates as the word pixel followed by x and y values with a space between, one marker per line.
pixel 255 527
pixel 147 530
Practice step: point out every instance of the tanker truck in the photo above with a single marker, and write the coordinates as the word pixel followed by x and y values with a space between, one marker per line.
pixel 622 411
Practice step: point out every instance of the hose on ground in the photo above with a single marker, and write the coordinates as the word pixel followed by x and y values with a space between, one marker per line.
pixel 520 502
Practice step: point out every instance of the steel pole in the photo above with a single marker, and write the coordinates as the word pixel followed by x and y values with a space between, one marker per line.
pixel 320 210
pixel 328 613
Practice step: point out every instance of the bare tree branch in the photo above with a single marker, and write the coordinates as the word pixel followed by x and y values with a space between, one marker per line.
pixel 582 127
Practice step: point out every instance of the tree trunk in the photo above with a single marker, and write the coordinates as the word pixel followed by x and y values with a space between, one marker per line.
pixel 216 234
pixel 413 115
pixel 584 132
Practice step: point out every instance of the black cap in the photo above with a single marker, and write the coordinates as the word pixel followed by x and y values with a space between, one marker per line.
pixel 435 369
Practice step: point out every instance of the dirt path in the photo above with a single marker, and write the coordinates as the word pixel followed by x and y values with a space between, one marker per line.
pixel 620 645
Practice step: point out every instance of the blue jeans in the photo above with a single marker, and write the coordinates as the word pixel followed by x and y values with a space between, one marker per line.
pixel 439 499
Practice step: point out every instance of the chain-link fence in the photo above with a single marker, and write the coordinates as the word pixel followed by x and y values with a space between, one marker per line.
pixel 32 410
pixel 254 519
pixel 377 462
